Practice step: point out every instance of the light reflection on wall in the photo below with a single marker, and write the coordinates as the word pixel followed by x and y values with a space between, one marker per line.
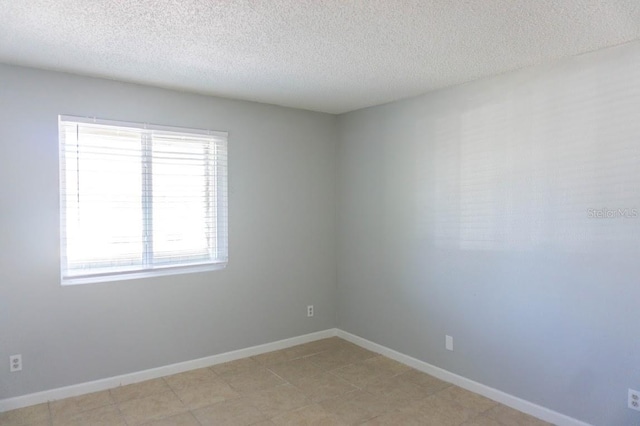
pixel 521 171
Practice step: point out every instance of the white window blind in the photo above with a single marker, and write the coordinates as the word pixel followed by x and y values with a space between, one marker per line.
pixel 140 200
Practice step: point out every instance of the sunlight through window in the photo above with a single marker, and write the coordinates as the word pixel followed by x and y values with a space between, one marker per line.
pixel 139 200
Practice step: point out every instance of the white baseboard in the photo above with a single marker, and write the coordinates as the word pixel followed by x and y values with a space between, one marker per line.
pixel 504 398
pixel 154 373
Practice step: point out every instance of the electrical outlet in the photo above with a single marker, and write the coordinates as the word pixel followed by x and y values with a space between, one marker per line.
pixel 634 399
pixel 310 310
pixel 15 363
pixel 448 343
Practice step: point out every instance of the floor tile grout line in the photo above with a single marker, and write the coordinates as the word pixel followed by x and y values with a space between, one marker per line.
pixel 196 417
pixel 179 399
pixel 117 405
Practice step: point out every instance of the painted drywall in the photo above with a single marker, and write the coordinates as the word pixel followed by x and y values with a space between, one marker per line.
pixel 466 212
pixel 281 237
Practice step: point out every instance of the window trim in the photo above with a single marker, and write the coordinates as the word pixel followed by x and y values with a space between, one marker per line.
pixel 145 273
pixel 148 269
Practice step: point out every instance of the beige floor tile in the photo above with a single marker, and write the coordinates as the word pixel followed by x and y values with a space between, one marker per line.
pixel 508 416
pixel 323 386
pixel 356 406
pixel 200 394
pixel 309 415
pixel 296 369
pixel 397 391
pixel 348 346
pixel 437 410
pixel 432 384
pixel 317 346
pixel 276 357
pixel 382 363
pixel 28 415
pixel 109 415
pixel 235 366
pixel 184 419
pixel 277 400
pixel 139 390
pixel 470 400
pixel 395 418
pixel 360 374
pixel 252 379
pixel 439 419
pixel 69 407
pixel 37 423
pixel 336 358
pixel 233 412
pixel 331 359
pixel 190 378
pixel 152 407
pixel 481 420
pixel 357 353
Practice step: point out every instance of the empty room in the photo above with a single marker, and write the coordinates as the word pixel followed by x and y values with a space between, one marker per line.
pixel 332 212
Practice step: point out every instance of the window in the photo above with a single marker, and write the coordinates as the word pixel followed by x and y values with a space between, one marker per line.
pixel 139 200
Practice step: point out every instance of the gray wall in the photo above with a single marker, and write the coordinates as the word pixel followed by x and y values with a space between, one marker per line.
pixel 282 228
pixel 465 212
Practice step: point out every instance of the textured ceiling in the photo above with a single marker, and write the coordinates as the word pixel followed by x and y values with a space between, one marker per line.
pixel 324 55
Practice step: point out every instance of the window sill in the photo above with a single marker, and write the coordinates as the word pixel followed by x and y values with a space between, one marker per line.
pixel 147 273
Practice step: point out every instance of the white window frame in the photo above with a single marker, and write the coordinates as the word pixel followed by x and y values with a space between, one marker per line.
pixel 147 269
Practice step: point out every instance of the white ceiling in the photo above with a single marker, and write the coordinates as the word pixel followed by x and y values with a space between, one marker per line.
pixel 323 55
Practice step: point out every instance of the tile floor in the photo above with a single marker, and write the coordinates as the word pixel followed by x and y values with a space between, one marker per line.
pixel 326 382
